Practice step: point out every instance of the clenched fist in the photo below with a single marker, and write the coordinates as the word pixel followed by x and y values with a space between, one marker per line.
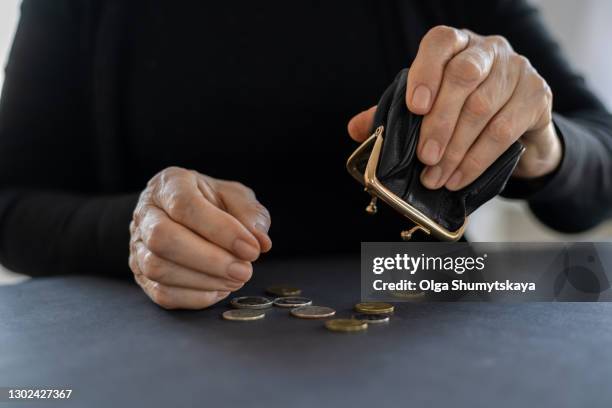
pixel 193 238
pixel 478 96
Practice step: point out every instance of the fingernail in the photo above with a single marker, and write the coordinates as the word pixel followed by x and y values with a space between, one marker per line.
pixel 240 271
pixel 421 98
pixel 430 152
pixel 453 182
pixel 244 250
pixel 431 176
pixel 262 227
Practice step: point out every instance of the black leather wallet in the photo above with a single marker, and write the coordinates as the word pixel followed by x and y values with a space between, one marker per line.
pixel 387 166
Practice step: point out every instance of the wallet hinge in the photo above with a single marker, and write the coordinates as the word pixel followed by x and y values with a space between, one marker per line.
pixel 375 188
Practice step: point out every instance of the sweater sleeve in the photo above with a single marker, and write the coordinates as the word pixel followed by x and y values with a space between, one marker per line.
pixel 52 218
pixel 578 195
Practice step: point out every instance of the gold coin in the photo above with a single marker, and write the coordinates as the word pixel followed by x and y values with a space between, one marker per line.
pixel 313 312
pixel 281 291
pixel 346 325
pixel 243 314
pixel 374 308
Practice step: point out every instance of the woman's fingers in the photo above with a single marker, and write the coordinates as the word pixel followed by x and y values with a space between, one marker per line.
pixel 179 195
pixel 463 74
pixel 192 238
pixel 477 110
pixel 176 243
pixel 519 115
pixel 240 202
pixel 169 273
pixel 170 297
pixel 437 48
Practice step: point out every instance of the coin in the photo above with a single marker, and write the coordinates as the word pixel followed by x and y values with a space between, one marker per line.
pixel 292 301
pixel 371 318
pixel 374 308
pixel 281 290
pixel 243 314
pixel 251 302
pixel 346 325
pixel 313 312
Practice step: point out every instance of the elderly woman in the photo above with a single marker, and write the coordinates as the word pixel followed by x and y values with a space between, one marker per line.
pixel 134 135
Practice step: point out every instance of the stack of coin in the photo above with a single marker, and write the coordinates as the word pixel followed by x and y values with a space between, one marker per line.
pixel 374 308
pixel 243 314
pixel 313 312
pixel 371 318
pixel 346 325
pixel 251 302
pixel 250 308
pixel 292 301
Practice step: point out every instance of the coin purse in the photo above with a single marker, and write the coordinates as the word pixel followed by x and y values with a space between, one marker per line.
pixel 387 166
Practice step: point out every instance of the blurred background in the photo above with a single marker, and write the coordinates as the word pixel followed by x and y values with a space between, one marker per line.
pixel 582 27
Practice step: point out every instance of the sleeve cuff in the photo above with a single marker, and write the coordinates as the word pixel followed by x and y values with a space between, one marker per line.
pixel 554 185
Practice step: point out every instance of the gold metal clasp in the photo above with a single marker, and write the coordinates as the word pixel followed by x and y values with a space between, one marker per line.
pixel 372 208
pixel 370 150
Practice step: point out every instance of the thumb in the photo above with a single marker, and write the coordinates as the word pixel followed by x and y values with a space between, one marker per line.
pixel 240 202
pixel 360 126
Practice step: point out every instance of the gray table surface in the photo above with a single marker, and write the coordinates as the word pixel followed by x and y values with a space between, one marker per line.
pixel 109 343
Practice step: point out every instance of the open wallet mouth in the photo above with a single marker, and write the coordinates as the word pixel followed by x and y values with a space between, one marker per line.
pixel 387 166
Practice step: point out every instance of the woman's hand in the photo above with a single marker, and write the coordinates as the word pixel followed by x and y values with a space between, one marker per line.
pixel 193 238
pixel 478 97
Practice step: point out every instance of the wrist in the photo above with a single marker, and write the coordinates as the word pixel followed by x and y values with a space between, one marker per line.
pixel 543 153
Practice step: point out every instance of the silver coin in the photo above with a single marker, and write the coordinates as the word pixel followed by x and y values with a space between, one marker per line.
pixel 371 318
pixel 292 301
pixel 251 302
pixel 313 312
pixel 243 314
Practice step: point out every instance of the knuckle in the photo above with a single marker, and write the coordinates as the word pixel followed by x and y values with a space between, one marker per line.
pixel 152 267
pixel 133 264
pixel 466 70
pixel 169 175
pixel 242 188
pixel 156 237
pixel 178 205
pixel 161 296
pixel 478 105
pixel 453 155
pixel 528 69
pixel 173 171
pixel 519 60
pixel 548 95
pixel 525 63
pixel 438 127
pixel 537 83
pixel 442 34
pixel 141 208
pixel 473 165
pixel 500 41
pixel 217 261
pixel 542 87
pixel 501 131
